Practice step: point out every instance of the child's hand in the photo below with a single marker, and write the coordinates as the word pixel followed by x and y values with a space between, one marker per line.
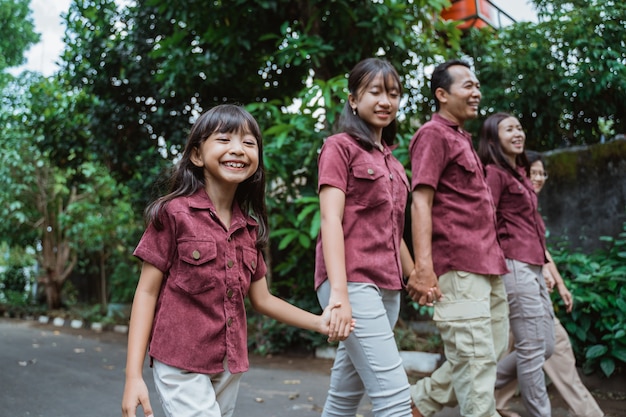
pixel 334 322
pixel 136 394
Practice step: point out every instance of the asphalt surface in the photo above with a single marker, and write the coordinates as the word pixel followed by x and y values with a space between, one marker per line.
pixel 49 371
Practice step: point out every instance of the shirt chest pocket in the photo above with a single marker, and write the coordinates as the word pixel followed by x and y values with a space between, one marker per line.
pixel 465 171
pixel 368 185
pixel 197 267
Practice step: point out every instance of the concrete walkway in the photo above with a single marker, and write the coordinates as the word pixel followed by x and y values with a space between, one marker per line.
pixel 50 371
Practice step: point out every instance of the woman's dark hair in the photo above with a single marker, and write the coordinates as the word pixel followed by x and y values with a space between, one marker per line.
pixel 359 78
pixel 441 77
pixel 188 178
pixel 490 150
pixel 532 157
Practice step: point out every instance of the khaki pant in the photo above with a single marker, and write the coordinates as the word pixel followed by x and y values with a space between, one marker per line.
pixel 473 321
pixel 561 369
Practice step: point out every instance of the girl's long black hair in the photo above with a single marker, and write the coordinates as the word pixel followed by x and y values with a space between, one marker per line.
pixel 489 148
pixel 187 178
pixel 360 76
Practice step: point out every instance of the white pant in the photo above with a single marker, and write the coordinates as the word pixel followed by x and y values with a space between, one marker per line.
pixel 368 360
pixel 189 394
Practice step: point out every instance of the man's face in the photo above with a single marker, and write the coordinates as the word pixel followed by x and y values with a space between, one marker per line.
pixel 461 102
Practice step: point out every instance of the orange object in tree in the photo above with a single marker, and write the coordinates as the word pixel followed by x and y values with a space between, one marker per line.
pixel 473 13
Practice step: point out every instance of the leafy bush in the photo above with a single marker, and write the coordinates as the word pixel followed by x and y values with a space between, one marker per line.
pixel 597 325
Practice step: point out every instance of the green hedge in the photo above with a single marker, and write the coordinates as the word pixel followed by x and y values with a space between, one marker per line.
pixel 597 325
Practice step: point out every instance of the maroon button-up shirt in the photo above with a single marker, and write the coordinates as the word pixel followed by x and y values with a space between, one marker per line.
pixel 376 189
pixel 463 214
pixel 200 316
pixel 520 227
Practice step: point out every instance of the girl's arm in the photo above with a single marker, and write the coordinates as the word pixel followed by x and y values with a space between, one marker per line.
pixel 423 284
pixel 332 204
pixel 142 315
pixel 406 260
pixel 266 303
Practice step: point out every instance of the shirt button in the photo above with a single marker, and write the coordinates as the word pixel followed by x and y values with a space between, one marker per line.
pixel 230 263
pixel 390 176
pixel 370 171
pixel 196 255
pixel 229 293
pixel 229 322
pixel 253 263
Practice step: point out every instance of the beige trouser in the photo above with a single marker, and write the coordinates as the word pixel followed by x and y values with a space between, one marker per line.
pixel 189 394
pixel 561 369
pixel 472 319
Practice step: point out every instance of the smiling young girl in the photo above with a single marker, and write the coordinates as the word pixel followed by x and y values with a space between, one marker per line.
pixel 202 254
pixel 521 232
pixel 360 254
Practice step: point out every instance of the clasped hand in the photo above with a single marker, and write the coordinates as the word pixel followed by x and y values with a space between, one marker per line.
pixel 338 319
pixel 423 287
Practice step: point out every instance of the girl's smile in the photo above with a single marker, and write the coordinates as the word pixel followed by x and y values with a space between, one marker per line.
pixel 227 157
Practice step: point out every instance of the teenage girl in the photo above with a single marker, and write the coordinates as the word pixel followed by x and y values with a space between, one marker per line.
pixel 360 254
pixel 521 232
pixel 202 254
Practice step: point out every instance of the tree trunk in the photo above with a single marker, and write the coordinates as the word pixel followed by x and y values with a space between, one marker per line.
pixel 52 289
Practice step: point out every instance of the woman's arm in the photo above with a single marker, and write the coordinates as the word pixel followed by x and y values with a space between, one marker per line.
pixel 566 296
pixel 141 318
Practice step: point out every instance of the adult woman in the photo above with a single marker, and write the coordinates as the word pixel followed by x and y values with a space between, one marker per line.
pixel 522 235
pixel 561 366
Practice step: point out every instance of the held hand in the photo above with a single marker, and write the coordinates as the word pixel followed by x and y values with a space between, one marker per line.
pixel 341 322
pixel 567 298
pixel 136 394
pixel 329 315
pixel 423 287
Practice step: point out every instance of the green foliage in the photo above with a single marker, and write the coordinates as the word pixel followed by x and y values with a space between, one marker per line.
pixel 17 32
pixel 67 209
pixel 123 280
pixel 559 76
pixel 597 325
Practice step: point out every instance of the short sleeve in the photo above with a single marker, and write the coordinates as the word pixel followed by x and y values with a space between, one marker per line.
pixel 158 246
pixel 429 155
pixel 333 163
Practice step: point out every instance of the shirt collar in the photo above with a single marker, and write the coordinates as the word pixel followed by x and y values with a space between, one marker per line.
pixel 201 201
pixel 440 119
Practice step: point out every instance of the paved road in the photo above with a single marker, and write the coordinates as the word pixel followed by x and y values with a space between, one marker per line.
pixel 47 371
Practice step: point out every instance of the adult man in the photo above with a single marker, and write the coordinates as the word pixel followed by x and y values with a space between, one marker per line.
pixel 458 259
